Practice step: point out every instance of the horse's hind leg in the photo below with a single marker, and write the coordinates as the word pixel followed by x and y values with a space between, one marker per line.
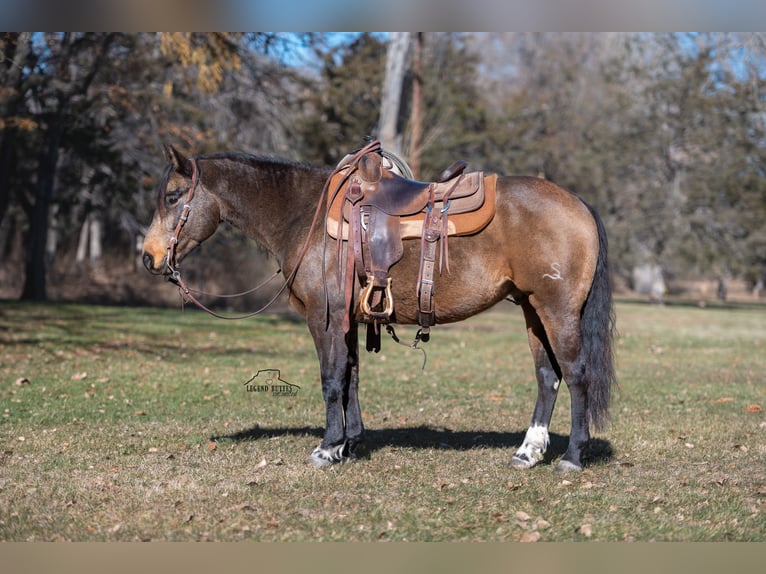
pixel 548 376
pixel 556 343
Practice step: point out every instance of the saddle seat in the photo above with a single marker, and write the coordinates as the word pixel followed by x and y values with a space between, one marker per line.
pixel 371 210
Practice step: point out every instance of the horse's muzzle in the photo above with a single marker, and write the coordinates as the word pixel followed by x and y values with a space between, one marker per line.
pixel 148 260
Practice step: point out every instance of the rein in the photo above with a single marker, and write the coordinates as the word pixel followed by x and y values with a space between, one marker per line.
pixel 187 293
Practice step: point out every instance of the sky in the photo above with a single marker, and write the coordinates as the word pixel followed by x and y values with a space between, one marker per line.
pixel 399 15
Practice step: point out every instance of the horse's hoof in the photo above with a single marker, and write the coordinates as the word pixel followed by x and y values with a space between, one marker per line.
pixel 322 457
pixel 522 461
pixel 566 466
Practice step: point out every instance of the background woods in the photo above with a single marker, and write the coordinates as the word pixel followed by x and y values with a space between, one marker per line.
pixel 663 133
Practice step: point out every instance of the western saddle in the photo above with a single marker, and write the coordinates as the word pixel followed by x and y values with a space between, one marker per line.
pixel 372 210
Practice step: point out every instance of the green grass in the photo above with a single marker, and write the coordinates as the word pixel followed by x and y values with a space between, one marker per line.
pixel 136 424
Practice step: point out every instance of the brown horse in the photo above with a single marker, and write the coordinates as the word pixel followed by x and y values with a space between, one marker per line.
pixel 545 250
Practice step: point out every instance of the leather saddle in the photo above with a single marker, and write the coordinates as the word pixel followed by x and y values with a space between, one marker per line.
pixel 372 210
pixel 471 208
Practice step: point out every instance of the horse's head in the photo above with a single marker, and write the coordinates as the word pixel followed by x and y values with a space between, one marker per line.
pixel 187 214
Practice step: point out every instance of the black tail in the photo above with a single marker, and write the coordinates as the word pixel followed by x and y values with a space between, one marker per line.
pixel 597 326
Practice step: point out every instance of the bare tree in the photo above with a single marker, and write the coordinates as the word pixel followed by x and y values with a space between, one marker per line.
pixel 396 62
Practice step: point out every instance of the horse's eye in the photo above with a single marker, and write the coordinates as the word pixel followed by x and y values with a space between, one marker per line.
pixel 174 196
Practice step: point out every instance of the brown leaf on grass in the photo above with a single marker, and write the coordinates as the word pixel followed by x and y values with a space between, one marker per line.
pixel 753 408
pixel 533 536
pixel 211 446
pixel 23 381
pixel 79 376
pixel 585 529
pixel 724 400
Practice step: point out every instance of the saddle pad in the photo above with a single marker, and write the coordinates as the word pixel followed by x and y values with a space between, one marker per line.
pixel 411 227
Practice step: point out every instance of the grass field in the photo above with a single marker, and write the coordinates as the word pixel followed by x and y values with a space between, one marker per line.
pixel 146 424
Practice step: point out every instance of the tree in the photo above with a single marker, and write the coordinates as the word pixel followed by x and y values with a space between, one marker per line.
pixel 345 107
pixel 73 61
pixel 84 117
pixel 391 97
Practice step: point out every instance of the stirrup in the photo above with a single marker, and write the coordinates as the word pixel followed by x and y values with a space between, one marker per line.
pixel 366 295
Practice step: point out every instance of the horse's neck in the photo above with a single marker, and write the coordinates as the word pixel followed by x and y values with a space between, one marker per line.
pixel 273 203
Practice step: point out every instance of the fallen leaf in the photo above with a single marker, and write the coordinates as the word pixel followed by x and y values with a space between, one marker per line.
pixel 753 408
pixel 523 516
pixel 724 400
pixel 211 446
pixel 530 537
pixel 23 381
pixel 79 376
pixel 261 464
pixel 586 530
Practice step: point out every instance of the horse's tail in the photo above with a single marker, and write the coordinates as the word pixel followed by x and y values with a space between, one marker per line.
pixel 597 326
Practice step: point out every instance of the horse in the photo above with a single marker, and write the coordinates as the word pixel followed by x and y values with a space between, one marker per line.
pixel 545 249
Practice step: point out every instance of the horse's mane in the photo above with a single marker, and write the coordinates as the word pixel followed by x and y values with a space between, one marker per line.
pixel 254 160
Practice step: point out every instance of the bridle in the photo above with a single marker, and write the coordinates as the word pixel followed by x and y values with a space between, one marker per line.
pixel 188 294
pixel 174 272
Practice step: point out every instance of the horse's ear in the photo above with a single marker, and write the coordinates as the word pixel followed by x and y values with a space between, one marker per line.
pixel 180 162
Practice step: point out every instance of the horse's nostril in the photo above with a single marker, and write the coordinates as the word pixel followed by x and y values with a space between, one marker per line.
pixel 148 261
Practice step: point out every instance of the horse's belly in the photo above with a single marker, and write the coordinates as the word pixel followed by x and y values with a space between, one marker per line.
pixel 477 279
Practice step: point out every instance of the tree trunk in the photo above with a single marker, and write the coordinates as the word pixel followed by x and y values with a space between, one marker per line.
pixel 16 54
pixel 396 58
pixel 416 119
pixel 96 235
pixel 34 284
pixel 82 243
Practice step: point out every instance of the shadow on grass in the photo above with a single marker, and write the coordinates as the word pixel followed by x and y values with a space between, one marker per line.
pixel 426 437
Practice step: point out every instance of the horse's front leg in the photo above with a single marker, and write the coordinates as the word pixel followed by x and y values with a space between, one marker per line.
pixel 339 366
